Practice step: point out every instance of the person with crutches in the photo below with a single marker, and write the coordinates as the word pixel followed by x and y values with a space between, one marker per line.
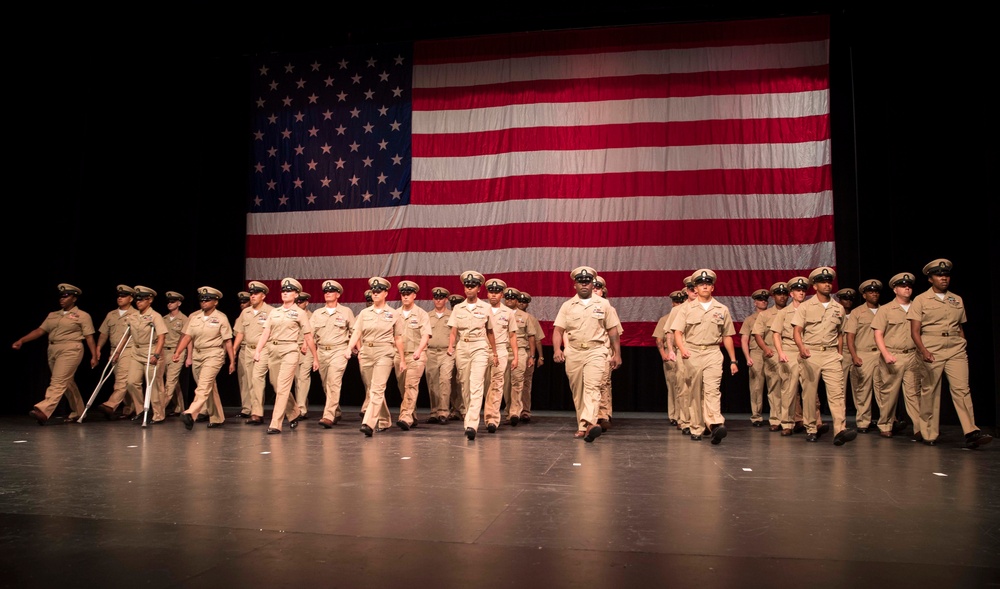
pixel 149 331
pixel 170 373
pixel 66 329
pixel 113 329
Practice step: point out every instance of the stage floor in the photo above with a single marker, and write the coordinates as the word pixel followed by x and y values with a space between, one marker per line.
pixel 115 504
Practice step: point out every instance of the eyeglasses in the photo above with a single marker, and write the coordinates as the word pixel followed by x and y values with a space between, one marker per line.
pixel 289 289
pixel 378 288
pixel 440 296
pixel 509 296
pixel 406 291
pixel 584 279
pixel 204 298
pixel 759 298
pixel 331 289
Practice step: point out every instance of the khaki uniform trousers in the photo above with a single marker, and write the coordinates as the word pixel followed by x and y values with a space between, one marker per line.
pixel 496 376
pixel 904 374
pixel 138 374
pixel 756 377
pixel 283 365
pixel 472 365
pixel 332 365
pixel 170 372
pixel 683 395
pixel 121 381
pixel 704 375
pixel 772 380
pixel 670 376
pixel 368 396
pixel 828 366
pixel 529 374
pixel 303 380
pixel 951 360
pixel 409 387
pixel 513 386
pixel 791 401
pixel 244 374
pixel 206 364
pixel 604 405
pixel 439 371
pixel 376 366
pixel 585 369
pixel 64 358
pixel 261 373
pixel 865 380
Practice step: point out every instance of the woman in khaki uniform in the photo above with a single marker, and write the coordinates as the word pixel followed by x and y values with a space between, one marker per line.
pixel 170 372
pixel 67 329
pixel 936 319
pixel 415 332
pixel 149 332
pixel 332 325
pixel 376 329
pixel 282 330
pixel 440 367
pixel 472 344
pixel 211 334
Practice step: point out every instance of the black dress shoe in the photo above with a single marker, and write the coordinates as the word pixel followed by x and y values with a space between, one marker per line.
pixel 862 430
pixel 844 436
pixel 241 416
pixel 39 416
pixel 976 439
pixel 403 425
pixel 593 432
pixel 108 412
pixel 492 428
pixel 930 442
pixel 381 429
pixel 822 429
pixel 686 431
pixel 325 423
pixel 293 423
pixel 470 433
pixel 188 421
pixel 799 427
pixel 604 423
pixel 214 425
pixel 157 421
pixel 718 432
pixel 201 417
pixel 257 421
pixel 442 420
pixel 526 418
pixel 273 430
pixel 899 426
pixel 757 423
pixel 514 420
pixel 696 437
pixel 812 438
pixel 673 422
pixel 366 430
pixel 432 420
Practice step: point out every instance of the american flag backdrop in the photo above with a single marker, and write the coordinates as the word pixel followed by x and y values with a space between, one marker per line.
pixel 645 152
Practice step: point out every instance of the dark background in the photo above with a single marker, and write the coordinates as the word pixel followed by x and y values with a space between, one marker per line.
pixel 125 164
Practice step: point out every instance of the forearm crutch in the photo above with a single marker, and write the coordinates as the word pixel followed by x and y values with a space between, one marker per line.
pixel 149 381
pixel 106 373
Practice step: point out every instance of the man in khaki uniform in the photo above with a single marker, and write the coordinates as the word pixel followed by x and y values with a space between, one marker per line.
pixel 818 335
pixel 864 354
pixel 303 377
pixel 683 400
pixel 513 390
pixel 414 333
pixel 699 327
pixel 755 358
pixel 782 334
pixel 251 375
pixel 67 329
pixel 211 334
pixel 472 331
pixel 439 368
pixel 936 318
pixel 114 330
pixel 149 332
pixel 664 339
pixel 170 372
pixel 771 375
pixel 584 325
pixel 505 336
pixel 899 366
pixel 332 325
pixel 534 354
pixel 848 298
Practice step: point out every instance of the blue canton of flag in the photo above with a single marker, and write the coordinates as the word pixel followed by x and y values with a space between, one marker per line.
pixel 332 133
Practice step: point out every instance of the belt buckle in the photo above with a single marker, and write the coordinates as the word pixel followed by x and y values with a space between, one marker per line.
pixel 946 334
pixel 585 346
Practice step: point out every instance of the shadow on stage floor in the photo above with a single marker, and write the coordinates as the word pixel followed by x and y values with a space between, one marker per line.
pixel 116 504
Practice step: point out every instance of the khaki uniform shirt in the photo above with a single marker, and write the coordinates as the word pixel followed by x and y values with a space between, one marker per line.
pixel 413 325
pixel 586 326
pixel 114 325
pixel 440 331
pixel 142 329
pixel 472 324
pixel 539 334
pixel 332 326
pixel 287 324
pixel 251 323
pixel 937 316
pixel 762 325
pixel 821 327
pixel 702 327
pixel 891 321
pixel 859 322
pixel 505 324
pixel 67 326
pixel 378 328
pixel 175 325
pixel 525 328
pixel 208 331
pixel 747 329
pixel 782 325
